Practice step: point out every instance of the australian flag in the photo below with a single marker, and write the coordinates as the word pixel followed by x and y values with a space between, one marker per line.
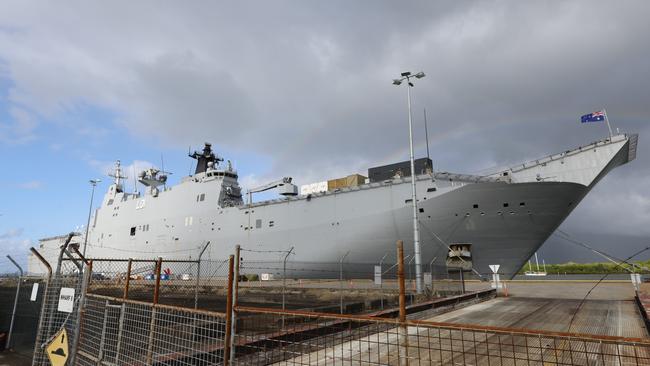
pixel 593 117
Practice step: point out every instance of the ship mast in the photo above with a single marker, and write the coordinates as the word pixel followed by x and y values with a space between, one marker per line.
pixel 204 157
pixel 117 174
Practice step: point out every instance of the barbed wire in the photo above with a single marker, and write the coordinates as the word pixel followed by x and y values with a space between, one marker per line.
pixel 263 251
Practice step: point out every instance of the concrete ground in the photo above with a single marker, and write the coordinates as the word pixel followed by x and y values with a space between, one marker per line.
pixel 8 358
pixel 608 310
pixel 606 290
pixel 601 317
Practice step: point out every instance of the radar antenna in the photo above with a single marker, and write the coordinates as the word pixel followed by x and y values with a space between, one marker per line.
pixel 204 157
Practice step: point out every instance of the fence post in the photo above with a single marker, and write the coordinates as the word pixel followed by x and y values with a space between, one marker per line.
pixel 341 282
pixel 13 313
pixel 156 290
pixel 85 281
pixel 198 276
pixel 41 318
pixel 235 297
pixel 128 280
pixel 229 295
pixel 403 328
pixel 152 324
pixel 284 282
pixel 381 283
pixel 120 329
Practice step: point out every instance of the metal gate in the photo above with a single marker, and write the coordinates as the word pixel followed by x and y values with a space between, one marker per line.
pixel 60 312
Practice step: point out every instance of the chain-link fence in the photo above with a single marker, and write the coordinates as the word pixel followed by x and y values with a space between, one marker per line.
pixel 61 308
pixel 213 324
pixel 186 283
pixel 269 336
pixel 342 287
pixel 127 332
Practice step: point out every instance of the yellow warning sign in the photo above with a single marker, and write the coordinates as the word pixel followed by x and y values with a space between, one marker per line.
pixel 57 350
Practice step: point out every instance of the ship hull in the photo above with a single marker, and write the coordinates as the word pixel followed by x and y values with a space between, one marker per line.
pixel 366 223
pixel 507 236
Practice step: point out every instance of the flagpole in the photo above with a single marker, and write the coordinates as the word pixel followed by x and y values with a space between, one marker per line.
pixel 608 126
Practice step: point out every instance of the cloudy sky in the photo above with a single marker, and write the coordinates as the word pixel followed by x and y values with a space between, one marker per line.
pixel 303 88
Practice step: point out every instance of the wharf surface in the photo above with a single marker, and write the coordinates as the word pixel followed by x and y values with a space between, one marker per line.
pixel 609 310
pixel 548 305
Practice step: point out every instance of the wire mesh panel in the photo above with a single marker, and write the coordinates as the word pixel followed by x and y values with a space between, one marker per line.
pixel 60 308
pixel 267 336
pixel 187 283
pixel 126 332
pixel 119 277
pixel 27 313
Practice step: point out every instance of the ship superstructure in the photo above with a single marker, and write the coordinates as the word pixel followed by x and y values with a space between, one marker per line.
pixel 502 218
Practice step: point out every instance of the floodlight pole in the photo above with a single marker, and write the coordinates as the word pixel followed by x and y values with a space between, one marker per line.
pixel 93 182
pixel 416 232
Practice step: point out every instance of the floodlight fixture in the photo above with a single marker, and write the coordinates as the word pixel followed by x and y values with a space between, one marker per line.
pixel 406 73
pixel 420 75
pixel 397 82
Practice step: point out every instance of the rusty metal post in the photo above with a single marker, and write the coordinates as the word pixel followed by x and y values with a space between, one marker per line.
pixel 156 290
pixel 85 282
pixel 152 323
pixel 284 282
pixel 403 328
pixel 237 259
pixel 128 280
pixel 235 299
pixel 198 276
pixel 400 280
pixel 229 299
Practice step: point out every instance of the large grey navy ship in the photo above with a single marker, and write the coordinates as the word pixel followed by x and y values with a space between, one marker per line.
pixel 502 218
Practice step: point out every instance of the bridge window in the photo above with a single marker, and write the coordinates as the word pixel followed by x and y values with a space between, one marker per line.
pixel 132 231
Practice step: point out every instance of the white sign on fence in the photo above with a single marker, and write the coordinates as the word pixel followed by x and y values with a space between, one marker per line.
pixel 428 279
pixel 66 300
pixel 34 292
pixel 496 281
pixel 495 267
pixel 377 275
